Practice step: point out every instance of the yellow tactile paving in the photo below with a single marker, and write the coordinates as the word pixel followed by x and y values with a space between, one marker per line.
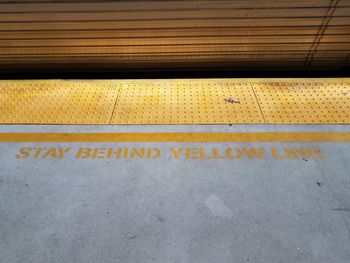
pixel 304 102
pixel 201 101
pixel 57 102
pixel 186 102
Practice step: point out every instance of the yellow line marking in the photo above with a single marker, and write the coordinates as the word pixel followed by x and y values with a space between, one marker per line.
pixel 179 137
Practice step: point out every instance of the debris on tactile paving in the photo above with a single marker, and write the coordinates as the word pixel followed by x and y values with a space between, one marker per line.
pixel 232 100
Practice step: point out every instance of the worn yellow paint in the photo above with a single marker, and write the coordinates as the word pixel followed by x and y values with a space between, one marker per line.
pixel 179 137
pixel 200 101
pixel 204 153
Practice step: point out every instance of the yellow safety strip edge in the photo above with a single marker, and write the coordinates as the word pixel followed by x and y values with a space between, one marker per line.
pixel 201 137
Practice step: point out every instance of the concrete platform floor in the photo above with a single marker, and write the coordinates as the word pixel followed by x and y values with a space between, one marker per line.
pixel 175 202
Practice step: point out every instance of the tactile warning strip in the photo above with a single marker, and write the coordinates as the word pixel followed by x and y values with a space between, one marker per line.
pixel 57 102
pixel 304 102
pixel 186 102
pixel 200 101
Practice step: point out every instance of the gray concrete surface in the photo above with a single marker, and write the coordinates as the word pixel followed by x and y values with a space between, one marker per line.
pixel 175 210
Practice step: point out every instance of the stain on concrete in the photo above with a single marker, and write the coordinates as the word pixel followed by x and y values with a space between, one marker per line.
pixel 133 237
pixel 320 184
pixel 217 207
pixel 341 209
pixel 160 219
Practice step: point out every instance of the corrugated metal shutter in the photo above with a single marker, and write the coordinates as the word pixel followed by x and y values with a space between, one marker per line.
pixel 220 34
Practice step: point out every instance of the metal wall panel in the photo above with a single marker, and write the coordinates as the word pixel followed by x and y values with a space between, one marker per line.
pixel 187 34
